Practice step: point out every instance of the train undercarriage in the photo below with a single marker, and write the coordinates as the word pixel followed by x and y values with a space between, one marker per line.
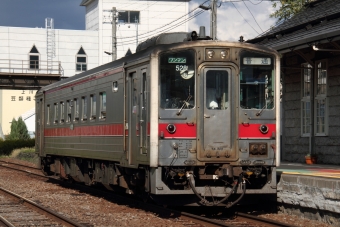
pixel 209 185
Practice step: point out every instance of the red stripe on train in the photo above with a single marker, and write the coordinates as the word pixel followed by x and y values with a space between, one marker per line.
pixel 252 131
pixel 182 130
pixel 96 130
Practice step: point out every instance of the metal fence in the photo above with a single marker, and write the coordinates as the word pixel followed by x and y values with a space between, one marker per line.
pixel 30 67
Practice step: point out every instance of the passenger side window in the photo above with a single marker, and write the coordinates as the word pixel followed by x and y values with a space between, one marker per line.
pixel 48 115
pixel 84 108
pixel 115 86
pixel 68 110
pixel 93 107
pixel 102 105
pixel 76 110
pixel 55 113
pixel 217 90
pixel 62 112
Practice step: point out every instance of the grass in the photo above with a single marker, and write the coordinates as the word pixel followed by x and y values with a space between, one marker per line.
pixel 25 154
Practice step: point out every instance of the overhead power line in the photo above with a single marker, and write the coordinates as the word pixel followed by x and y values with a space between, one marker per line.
pixel 252 16
pixel 162 31
pixel 245 19
pixel 174 21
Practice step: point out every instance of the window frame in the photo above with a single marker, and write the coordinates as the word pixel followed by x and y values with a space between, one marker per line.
pixel 305 99
pixel 36 62
pixel 321 96
pixel 81 54
pixel 317 97
pixel 128 17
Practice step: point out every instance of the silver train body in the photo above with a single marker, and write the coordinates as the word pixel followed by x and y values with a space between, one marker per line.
pixel 185 122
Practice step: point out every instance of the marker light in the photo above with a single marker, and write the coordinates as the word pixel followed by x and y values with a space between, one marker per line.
pixel 171 128
pixel 263 129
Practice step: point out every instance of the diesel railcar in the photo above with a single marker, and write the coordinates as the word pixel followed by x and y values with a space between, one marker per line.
pixel 184 120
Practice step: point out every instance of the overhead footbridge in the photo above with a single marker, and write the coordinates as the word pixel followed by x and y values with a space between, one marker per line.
pixel 28 74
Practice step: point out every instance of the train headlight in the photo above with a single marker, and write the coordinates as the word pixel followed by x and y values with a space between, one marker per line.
pixel 263 129
pixel 223 54
pixel 211 54
pixel 171 128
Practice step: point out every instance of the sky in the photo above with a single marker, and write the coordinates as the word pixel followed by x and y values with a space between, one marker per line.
pixel 233 18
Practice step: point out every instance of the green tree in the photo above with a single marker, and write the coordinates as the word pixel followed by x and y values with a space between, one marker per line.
pixel 18 130
pixel 13 134
pixel 288 8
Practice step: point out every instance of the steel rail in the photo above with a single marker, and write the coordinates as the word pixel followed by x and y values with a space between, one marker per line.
pixel 156 209
pixel 204 221
pixel 260 220
pixel 165 211
pixel 40 209
pixel 5 222
pixel 17 164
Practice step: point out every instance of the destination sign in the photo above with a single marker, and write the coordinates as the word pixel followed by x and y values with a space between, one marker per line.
pixel 256 61
pixel 177 60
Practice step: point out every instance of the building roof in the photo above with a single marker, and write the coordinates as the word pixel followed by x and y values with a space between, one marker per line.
pixel 318 22
pixel 85 2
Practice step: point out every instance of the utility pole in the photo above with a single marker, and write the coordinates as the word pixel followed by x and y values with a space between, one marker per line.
pixel 114 38
pixel 213 19
pixel 112 20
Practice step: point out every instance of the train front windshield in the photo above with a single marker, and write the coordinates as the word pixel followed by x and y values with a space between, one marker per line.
pixel 257 81
pixel 177 80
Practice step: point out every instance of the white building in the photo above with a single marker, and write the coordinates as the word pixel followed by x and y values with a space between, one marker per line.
pixel 79 50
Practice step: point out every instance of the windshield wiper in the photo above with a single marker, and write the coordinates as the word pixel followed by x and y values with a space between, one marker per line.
pixel 185 103
pixel 265 106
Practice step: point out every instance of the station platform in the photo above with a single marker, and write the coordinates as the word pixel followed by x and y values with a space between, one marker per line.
pixel 327 171
pixel 313 190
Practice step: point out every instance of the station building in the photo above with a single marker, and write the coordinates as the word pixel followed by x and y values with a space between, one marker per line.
pixel 31 50
pixel 309 43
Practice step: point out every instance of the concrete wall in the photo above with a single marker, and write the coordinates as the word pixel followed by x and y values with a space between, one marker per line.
pixel 295 146
pixel 315 198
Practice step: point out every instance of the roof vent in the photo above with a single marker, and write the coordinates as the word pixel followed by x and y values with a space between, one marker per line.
pixel 202 32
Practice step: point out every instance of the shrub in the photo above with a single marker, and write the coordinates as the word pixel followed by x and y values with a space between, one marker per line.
pixel 7 146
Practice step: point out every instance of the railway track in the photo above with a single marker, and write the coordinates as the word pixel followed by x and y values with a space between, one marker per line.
pixel 185 218
pixel 18 211
pixel 18 165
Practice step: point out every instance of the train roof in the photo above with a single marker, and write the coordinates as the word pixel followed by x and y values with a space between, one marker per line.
pixel 165 41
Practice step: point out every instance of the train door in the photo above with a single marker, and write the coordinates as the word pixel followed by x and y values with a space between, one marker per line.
pixel 132 116
pixel 143 121
pixel 215 124
pixel 136 111
pixel 39 141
